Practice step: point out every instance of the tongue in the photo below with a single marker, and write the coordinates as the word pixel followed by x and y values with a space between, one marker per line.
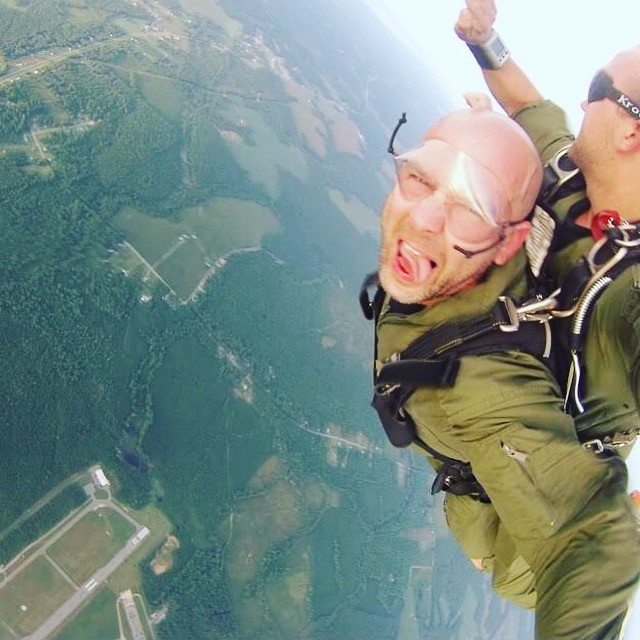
pixel 414 267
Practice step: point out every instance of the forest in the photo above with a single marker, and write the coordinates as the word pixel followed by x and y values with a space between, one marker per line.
pixel 46 24
pixel 184 404
pixel 44 519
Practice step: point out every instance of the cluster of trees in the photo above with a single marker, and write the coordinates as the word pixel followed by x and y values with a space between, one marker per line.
pixel 43 24
pixel 63 316
pixel 85 360
pixel 142 161
pixel 141 411
pixel 40 522
pixel 196 595
pixel 20 106
pixel 91 89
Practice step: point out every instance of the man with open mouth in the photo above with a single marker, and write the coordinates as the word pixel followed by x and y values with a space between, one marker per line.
pixel 490 418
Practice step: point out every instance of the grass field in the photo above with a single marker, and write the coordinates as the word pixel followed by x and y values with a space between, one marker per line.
pixel 216 13
pixel 184 268
pixel 152 237
pixel 5 634
pixel 98 619
pixel 359 215
pixel 91 543
pixel 181 252
pixel 225 224
pixel 39 588
pixel 164 94
pixel 266 155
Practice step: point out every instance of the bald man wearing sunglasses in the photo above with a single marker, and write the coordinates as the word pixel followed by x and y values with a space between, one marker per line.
pixel 605 192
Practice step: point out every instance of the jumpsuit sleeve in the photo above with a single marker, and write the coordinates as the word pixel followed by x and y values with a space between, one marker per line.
pixel 546 124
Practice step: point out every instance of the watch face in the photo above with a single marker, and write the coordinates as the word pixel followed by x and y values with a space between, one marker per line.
pixel 491 54
pixel 498 48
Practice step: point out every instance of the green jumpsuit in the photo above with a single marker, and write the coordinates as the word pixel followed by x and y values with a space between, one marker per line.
pixel 610 398
pixel 612 346
pixel 561 509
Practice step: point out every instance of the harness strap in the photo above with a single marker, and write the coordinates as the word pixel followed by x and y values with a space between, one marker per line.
pixel 502 320
pixel 419 373
pixel 459 480
pixel 582 287
pixel 454 475
pixel 614 441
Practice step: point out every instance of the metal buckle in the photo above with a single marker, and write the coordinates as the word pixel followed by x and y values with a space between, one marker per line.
pixel 595 445
pixel 512 314
pixel 386 389
pixel 557 172
pixel 616 441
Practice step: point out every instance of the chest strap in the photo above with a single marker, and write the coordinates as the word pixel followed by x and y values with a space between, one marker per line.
pixel 432 359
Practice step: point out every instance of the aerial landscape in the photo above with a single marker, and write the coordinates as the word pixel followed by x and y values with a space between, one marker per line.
pixel 189 197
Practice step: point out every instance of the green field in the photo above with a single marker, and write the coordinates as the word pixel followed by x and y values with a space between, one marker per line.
pixel 264 156
pixel 91 543
pixel 40 588
pixel 182 252
pixel 97 619
pixel 226 224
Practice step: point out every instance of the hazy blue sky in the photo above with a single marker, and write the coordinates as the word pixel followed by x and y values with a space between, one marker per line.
pixel 560 58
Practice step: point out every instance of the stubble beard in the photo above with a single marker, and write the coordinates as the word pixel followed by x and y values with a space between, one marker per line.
pixel 588 151
pixel 436 288
pixel 578 154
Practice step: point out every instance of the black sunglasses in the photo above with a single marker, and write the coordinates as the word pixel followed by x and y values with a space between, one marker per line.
pixel 601 87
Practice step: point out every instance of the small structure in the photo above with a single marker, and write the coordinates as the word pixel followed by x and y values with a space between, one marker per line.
pixel 99 479
pixel 136 627
pixel 140 536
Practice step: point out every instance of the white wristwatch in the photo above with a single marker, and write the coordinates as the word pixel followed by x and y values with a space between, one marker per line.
pixel 491 54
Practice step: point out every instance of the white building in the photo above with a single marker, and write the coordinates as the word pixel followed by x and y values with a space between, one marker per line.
pixel 99 479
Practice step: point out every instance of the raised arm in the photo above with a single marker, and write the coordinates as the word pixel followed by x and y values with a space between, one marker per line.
pixel 507 82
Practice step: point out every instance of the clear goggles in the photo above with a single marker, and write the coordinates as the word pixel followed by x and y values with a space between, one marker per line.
pixel 469 196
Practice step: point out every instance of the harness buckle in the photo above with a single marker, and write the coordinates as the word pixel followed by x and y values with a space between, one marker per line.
pixel 617 441
pixel 596 445
pixel 511 314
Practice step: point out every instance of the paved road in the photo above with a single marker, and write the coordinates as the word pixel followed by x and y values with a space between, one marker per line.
pixel 56 619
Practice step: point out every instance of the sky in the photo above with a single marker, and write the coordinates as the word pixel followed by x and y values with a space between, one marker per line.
pixel 560 44
pixel 558 56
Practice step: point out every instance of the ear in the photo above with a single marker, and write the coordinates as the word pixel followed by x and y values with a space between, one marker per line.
pixel 629 141
pixel 514 239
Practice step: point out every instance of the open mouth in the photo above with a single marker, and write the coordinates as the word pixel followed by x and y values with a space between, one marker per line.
pixel 411 265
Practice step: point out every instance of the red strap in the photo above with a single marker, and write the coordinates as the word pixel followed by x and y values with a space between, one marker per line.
pixel 603 220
